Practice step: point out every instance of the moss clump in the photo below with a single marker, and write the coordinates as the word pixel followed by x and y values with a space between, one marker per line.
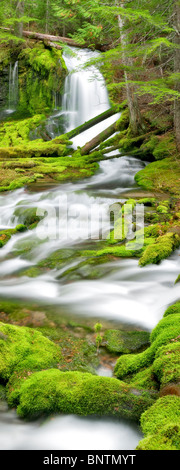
pixel 15 133
pixel 161 425
pixel 178 279
pixel 5 235
pixel 166 331
pixel 27 215
pixel 145 378
pixel 161 249
pixel 41 74
pixel 24 349
pixel 160 146
pixel 166 365
pixel 54 391
pixel 125 342
pixel 162 175
pixel 175 308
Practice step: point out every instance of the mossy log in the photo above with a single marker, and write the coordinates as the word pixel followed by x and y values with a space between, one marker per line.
pixel 93 143
pixel 92 122
pixel 48 38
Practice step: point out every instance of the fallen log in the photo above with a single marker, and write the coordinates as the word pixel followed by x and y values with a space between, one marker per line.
pixel 51 38
pixel 92 122
pixel 92 144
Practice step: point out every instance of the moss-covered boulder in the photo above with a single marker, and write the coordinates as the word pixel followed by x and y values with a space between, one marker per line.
pixel 156 176
pixel 25 349
pixel 175 308
pixel 54 391
pixel 125 342
pixel 161 425
pixel 161 249
pixel 162 337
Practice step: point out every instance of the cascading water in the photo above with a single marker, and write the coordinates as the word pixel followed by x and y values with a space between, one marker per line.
pixel 126 293
pixel 13 87
pixel 85 94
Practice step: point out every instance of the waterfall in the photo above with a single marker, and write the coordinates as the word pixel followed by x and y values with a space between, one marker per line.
pixel 85 94
pixel 13 87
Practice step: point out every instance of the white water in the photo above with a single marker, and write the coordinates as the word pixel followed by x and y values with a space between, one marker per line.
pixel 67 433
pixel 13 88
pixel 126 293
pixel 85 96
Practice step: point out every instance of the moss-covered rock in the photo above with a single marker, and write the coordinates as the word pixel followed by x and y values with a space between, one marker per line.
pixel 53 391
pixel 41 74
pixel 5 235
pixel 27 215
pixel 166 365
pixel 175 308
pixel 162 175
pixel 161 249
pixel 24 349
pixel 166 331
pixel 125 342
pixel 161 425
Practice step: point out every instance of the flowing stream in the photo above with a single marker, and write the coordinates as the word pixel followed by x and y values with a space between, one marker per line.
pixel 125 293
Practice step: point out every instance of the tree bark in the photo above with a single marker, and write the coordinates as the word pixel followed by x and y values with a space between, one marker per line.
pixel 135 116
pixel 92 122
pixel 50 38
pixel 18 29
pixel 92 144
pixel 177 70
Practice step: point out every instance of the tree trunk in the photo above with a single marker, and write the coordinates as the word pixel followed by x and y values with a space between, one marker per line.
pixel 92 144
pixel 18 29
pixel 177 70
pixel 92 122
pixel 47 16
pixel 50 38
pixel 135 116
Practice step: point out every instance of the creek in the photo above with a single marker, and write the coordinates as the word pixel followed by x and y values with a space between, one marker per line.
pixel 125 293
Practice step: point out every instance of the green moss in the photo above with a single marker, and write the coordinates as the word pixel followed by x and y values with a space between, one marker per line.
pixel 166 330
pixel 24 349
pixel 16 132
pixel 145 378
pixel 165 147
pixel 166 365
pixel 161 249
pixel 178 279
pixel 125 342
pixel 53 391
pixel 175 308
pixel 162 175
pixel 161 424
pixel 5 235
pixel 27 215
pixel 41 73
